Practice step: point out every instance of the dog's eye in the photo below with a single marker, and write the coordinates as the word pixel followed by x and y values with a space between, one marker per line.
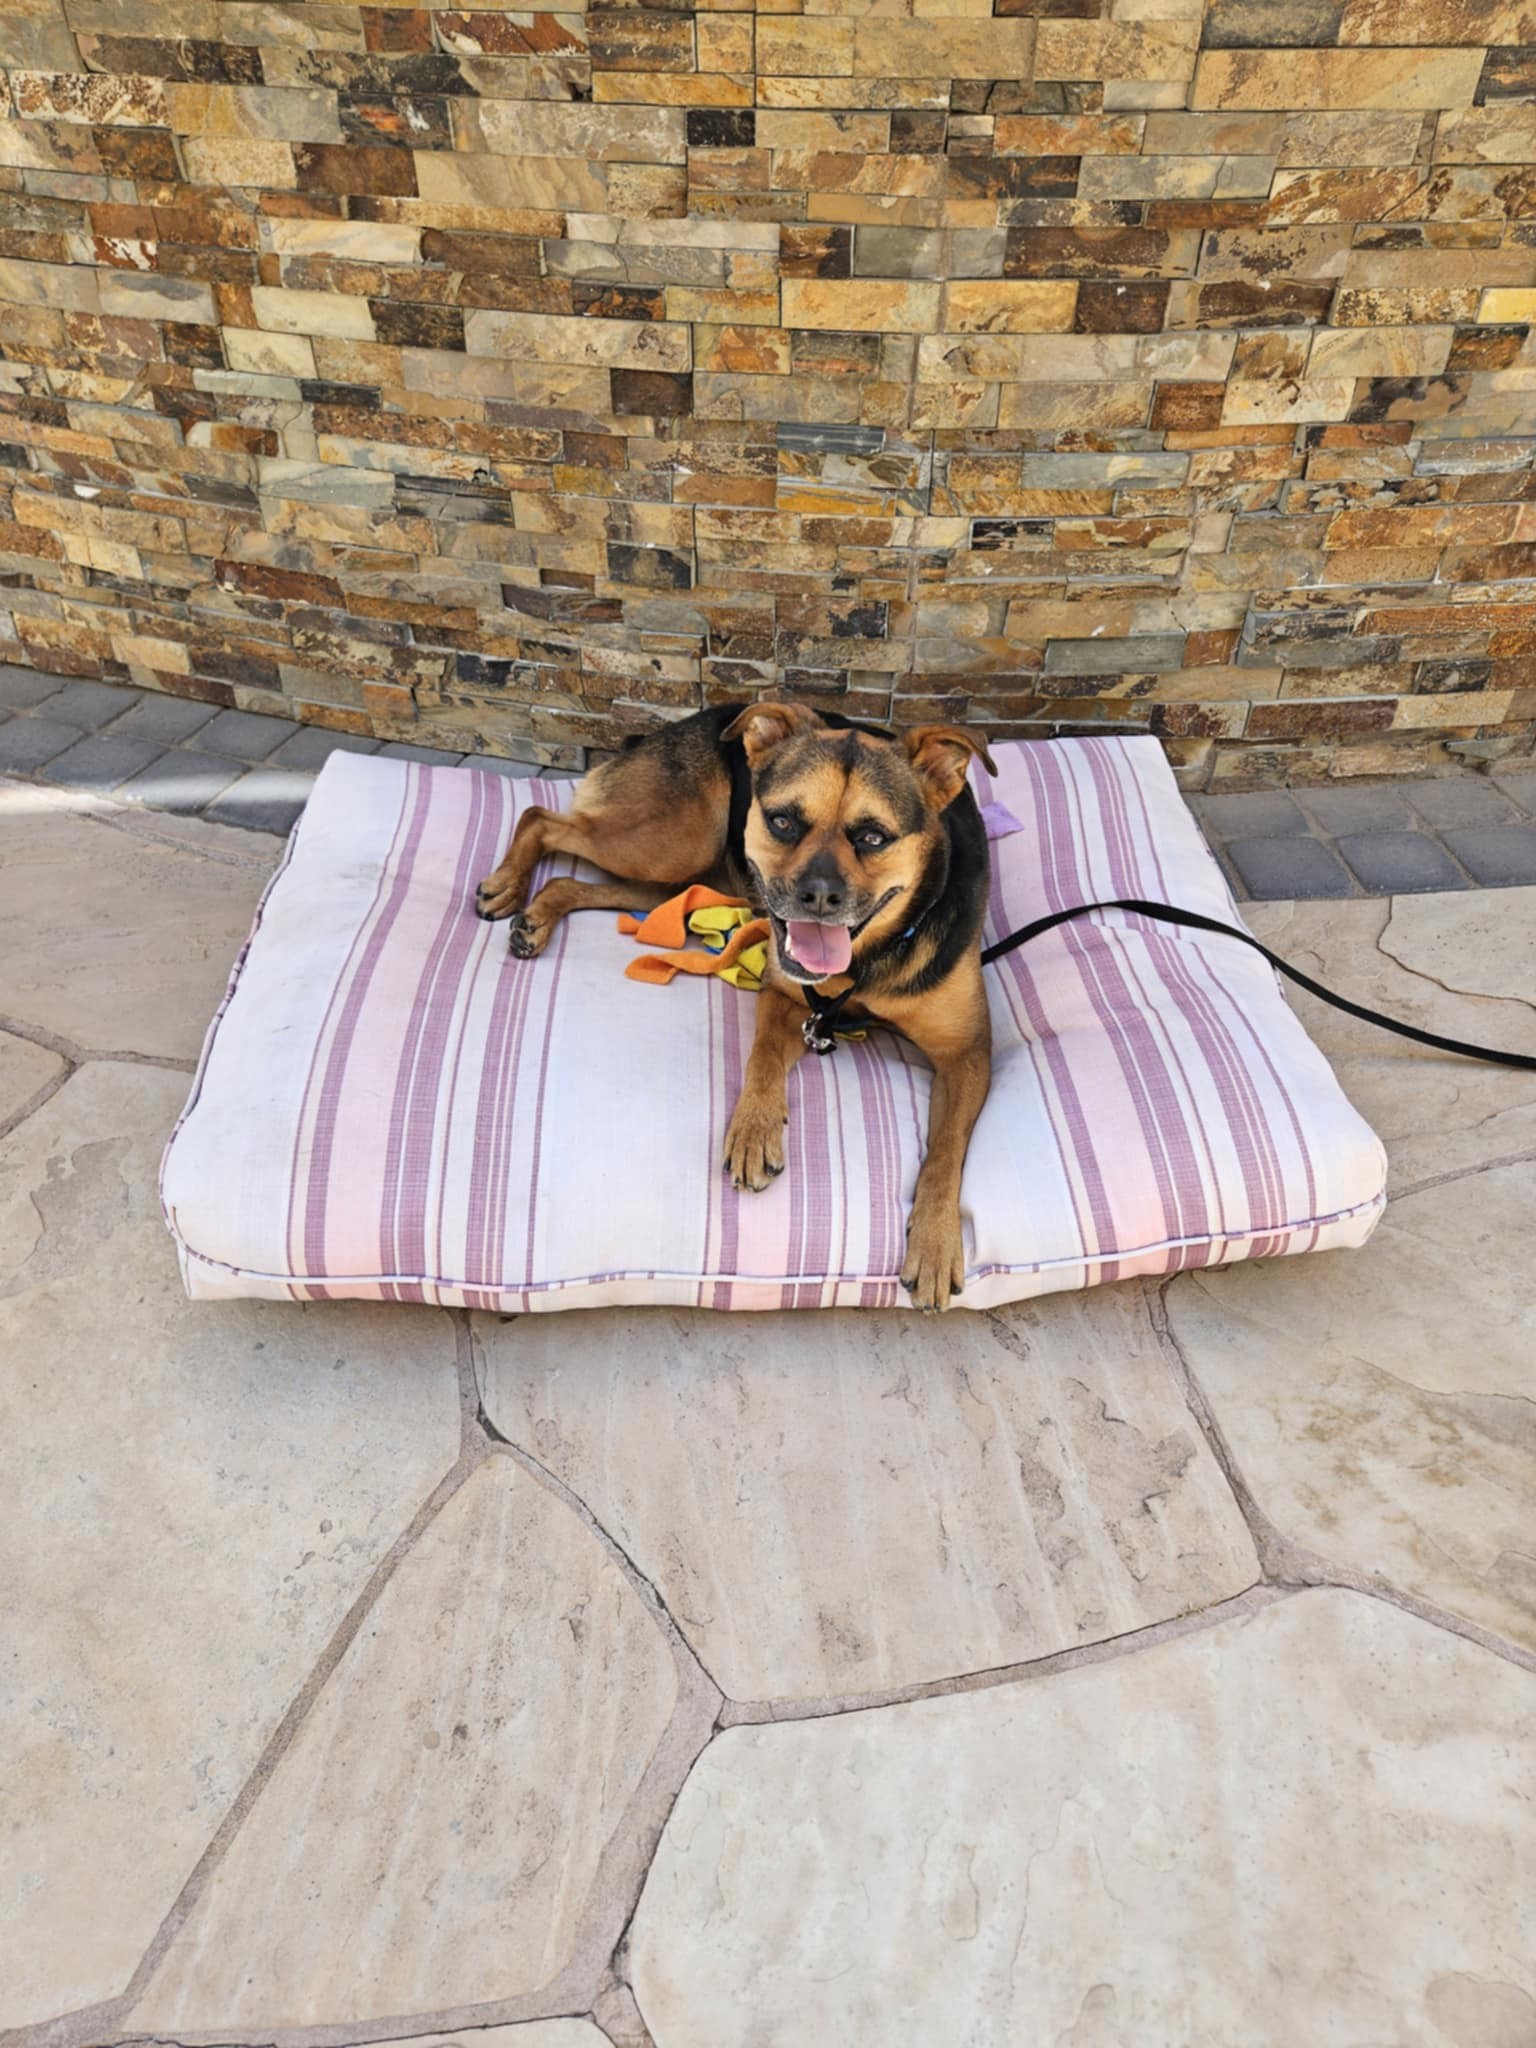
pixel 781 824
pixel 871 839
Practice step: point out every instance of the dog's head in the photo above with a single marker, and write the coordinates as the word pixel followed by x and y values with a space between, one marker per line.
pixel 844 827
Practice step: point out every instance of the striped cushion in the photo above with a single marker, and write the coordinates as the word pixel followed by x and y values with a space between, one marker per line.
pixel 390 1107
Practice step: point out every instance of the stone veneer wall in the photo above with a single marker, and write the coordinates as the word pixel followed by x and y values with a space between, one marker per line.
pixel 506 379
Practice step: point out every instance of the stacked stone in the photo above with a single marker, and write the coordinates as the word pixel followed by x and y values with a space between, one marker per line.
pixel 504 380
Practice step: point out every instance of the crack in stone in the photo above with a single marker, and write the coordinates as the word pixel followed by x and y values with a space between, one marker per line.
pixel 503 1446
pixel 1455 1173
pixel 1368 1368
pixel 474 1392
pixel 1252 1600
pixel 1466 995
pixel 474 1428
pixel 1416 1391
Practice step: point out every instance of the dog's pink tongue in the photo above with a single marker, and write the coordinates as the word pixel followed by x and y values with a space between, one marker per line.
pixel 823 948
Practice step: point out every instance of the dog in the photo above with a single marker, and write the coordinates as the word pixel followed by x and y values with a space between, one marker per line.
pixel 866 853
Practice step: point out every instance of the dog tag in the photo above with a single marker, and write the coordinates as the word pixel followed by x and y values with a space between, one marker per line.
pixel 817 1040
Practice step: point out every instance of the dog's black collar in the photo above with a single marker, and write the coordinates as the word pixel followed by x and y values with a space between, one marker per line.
pixel 820 1027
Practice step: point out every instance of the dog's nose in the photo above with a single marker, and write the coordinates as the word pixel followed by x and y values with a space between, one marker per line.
pixel 819 895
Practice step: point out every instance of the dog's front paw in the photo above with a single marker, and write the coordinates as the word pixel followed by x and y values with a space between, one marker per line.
pixel 935 1263
pixel 497 896
pixel 754 1144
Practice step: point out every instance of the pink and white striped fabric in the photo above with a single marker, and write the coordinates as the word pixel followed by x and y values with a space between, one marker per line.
pixel 390 1107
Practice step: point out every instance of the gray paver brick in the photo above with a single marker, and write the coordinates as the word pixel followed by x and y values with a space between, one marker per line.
pixel 181 780
pixel 1267 814
pixel 1277 868
pixel 23 688
pixel 1498 856
pixel 515 771
pixel 1360 809
pixel 1401 863
pixel 27 743
pixel 170 720
pixel 264 800
pixel 245 735
pixel 1522 787
pixel 100 762
pixel 1460 800
pixel 434 757
pixel 92 705
pixel 312 747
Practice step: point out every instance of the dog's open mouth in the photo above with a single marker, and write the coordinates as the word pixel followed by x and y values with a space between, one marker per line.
pixel 810 951
pixel 821 949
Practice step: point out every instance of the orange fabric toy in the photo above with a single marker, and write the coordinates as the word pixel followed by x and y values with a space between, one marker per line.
pixel 667 926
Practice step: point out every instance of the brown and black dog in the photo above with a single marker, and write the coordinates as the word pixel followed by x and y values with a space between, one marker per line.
pixel 868 856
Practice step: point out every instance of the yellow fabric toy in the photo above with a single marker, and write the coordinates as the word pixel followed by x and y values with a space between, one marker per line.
pixel 735 942
pixel 748 956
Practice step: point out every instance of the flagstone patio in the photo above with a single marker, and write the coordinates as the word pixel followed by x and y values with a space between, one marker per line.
pixel 1136 1669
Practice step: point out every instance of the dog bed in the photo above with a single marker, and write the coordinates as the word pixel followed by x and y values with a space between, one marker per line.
pixel 390 1107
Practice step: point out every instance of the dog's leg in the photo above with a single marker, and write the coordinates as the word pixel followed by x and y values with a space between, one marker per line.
pixel 540 833
pixel 754 1144
pixel 505 890
pixel 962 1071
pixel 627 818
pixel 531 932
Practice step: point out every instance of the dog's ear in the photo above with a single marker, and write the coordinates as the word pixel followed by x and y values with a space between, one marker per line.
pixel 762 727
pixel 940 756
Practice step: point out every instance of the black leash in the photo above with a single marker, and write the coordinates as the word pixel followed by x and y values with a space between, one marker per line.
pixel 821 1028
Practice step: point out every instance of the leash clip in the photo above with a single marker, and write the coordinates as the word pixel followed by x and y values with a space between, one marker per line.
pixel 815 1038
